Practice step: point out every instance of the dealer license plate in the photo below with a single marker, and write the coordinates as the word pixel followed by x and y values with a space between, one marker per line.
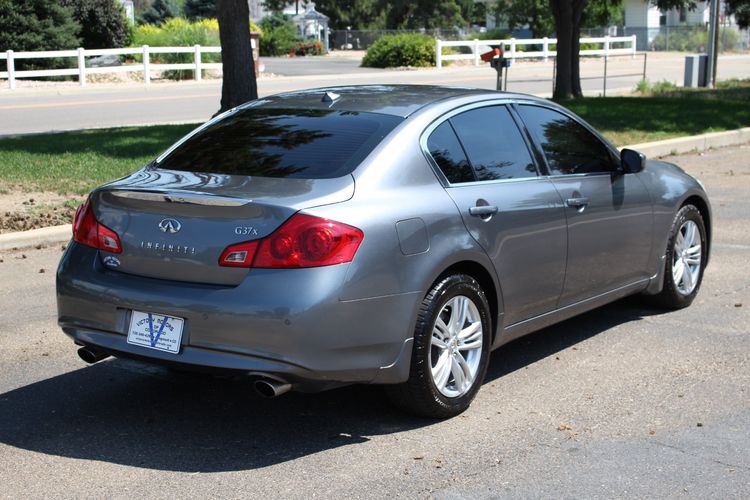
pixel 155 331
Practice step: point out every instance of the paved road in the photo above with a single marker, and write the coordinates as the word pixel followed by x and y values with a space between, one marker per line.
pixel 70 107
pixel 625 401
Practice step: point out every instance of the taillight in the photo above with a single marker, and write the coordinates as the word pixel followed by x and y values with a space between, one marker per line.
pixel 88 231
pixel 302 241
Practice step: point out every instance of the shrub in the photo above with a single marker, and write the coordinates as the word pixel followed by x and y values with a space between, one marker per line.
pixel 694 40
pixel 409 49
pixel 103 23
pixel 159 12
pixel 195 10
pixel 307 49
pixel 279 35
pixel 32 25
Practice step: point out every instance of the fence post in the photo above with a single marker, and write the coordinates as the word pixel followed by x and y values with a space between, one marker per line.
pixel 438 53
pixel 606 46
pixel 146 72
pixel 604 90
pixel 197 63
pixel 545 48
pixel 513 49
pixel 632 45
pixel 11 70
pixel 476 52
pixel 81 67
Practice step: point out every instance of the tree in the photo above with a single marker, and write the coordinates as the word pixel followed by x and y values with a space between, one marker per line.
pixel 357 14
pixel 103 23
pixel 32 25
pixel 422 14
pixel 238 83
pixel 199 9
pixel 160 11
pixel 532 13
pixel 740 9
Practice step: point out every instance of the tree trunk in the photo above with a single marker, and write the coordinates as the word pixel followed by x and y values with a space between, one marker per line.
pixel 567 14
pixel 238 83
pixel 562 10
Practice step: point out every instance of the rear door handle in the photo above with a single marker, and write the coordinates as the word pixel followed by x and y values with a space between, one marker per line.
pixel 483 210
pixel 577 202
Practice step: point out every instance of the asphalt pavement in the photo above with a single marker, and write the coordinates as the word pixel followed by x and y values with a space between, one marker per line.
pixel 70 107
pixel 623 402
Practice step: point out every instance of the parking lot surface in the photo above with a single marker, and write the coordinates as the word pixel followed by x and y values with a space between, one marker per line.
pixel 625 401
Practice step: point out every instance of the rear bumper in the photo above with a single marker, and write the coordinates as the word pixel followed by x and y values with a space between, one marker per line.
pixel 287 323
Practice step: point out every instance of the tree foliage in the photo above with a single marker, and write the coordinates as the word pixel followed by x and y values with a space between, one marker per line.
pixel 423 14
pixel 160 11
pixel 30 25
pixel 357 14
pixel 103 23
pixel 740 9
pixel 195 10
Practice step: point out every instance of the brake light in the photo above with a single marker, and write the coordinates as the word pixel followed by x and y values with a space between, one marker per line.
pixel 302 241
pixel 88 231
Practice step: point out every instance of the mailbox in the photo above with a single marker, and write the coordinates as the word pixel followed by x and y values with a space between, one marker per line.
pixel 497 62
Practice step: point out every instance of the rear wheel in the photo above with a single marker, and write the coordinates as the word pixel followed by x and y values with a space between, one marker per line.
pixel 451 350
pixel 685 260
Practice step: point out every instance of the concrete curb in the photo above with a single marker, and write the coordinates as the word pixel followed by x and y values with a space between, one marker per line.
pixel 693 143
pixel 35 237
pixel 61 234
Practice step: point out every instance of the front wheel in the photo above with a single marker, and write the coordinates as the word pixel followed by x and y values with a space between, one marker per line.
pixel 451 350
pixel 685 259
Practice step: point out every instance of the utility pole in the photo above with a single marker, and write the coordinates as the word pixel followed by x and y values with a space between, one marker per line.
pixel 713 49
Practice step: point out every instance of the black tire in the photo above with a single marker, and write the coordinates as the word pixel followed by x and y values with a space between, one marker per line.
pixel 671 297
pixel 419 395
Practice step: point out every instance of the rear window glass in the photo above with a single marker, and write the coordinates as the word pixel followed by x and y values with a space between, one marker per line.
pixel 268 142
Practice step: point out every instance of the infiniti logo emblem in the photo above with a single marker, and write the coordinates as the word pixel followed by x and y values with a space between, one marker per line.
pixel 169 225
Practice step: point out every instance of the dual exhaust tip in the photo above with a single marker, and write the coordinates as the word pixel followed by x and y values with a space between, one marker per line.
pixel 264 386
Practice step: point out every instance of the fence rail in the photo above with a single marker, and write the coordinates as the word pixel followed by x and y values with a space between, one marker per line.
pixel 81 70
pixel 511 46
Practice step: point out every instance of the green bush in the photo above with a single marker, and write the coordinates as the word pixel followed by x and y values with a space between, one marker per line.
pixel 392 51
pixel 33 25
pixel 308 49
pixel 695 40
pixel 159 12
pixel 279 35
pixel 103 23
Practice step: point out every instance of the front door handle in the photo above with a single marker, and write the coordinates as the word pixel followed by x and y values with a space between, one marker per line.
pixel 483 210
pixel 577 202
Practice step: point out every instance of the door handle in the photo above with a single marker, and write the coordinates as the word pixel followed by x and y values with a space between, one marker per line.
pixel 483 210
pixel 577 202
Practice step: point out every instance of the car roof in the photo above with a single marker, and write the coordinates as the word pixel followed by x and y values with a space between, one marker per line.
pixel 397 100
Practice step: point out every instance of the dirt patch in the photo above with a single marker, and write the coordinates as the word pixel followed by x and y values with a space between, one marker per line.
pixel 21 211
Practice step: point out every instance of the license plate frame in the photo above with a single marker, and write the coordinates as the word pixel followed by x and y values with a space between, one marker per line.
pixel 161 332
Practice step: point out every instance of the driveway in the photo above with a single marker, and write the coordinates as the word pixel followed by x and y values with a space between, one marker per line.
pixel 625 401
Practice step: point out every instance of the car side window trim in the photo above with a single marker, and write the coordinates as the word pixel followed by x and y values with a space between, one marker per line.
pixel 450 114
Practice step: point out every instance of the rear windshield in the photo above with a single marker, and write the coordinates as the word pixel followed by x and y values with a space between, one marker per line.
pixel 267 142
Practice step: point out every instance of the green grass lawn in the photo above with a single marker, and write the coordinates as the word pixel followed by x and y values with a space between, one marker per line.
pixel 75 162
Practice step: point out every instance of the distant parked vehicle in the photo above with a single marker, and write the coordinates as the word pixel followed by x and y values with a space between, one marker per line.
pixel 377 234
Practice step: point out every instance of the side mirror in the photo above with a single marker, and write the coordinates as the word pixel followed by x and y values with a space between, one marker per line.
pixel 632 161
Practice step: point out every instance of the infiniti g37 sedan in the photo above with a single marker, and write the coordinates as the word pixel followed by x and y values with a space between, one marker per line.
pixel 389 235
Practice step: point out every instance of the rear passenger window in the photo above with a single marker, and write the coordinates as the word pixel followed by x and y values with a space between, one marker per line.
pixel 570 148
pixel 494 144
pixel 449 155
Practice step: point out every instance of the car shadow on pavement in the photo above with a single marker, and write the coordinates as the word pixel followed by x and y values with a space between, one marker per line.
pixel 123 412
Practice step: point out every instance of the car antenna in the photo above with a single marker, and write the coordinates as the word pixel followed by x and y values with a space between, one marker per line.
pixel 330 97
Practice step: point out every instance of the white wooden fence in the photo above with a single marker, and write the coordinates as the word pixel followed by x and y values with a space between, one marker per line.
pixel 510 48
pixel 80 69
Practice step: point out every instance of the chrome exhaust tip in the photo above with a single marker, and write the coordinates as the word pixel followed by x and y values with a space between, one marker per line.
pixel 270 388
pixel 91 355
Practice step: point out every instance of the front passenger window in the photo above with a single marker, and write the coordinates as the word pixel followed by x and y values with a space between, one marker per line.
pixel 570 148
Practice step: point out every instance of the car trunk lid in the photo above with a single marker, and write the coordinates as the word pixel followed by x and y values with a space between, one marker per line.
pixel 174 225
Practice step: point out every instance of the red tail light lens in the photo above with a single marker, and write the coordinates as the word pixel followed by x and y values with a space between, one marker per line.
pixel 302 241
pixel 88 231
